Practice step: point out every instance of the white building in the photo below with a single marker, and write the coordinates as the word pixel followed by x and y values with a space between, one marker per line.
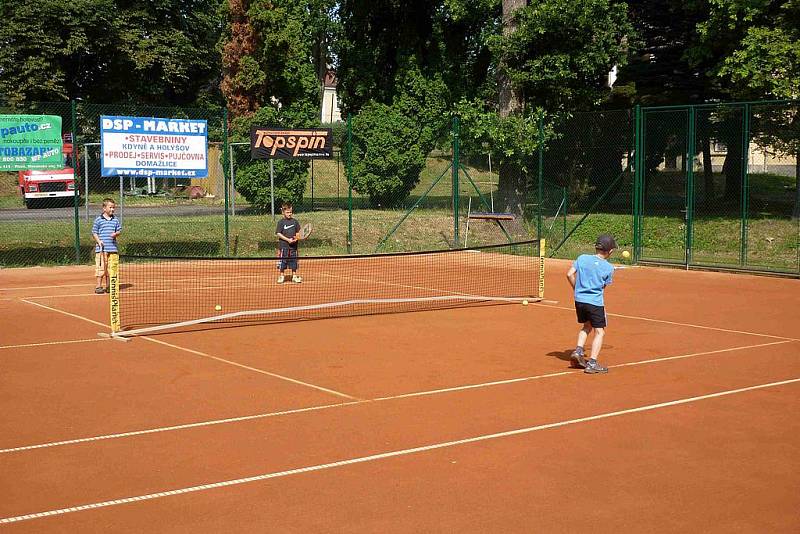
pixel 330 103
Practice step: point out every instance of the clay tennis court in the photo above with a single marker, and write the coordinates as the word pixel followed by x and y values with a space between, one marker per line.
pixel 455 420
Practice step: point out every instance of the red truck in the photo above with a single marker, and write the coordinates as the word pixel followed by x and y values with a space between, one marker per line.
pixel 50 188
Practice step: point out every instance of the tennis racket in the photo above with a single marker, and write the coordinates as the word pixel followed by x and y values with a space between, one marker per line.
pixel 103 258
pixel 305 231
pixel 104 265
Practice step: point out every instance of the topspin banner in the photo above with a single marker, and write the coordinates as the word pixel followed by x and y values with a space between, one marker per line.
pixel 290 143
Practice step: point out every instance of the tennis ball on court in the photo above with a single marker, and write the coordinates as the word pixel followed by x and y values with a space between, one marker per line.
pixel 218 307
pixel 626 254
pixel 524 302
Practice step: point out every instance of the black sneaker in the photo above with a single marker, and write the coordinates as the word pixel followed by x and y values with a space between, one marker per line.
pixel 577 360
pixel 593 368
pixel 99 290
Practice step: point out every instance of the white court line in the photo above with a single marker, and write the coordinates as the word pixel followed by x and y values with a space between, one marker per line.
pixel 43 287
pixel 548 304
pixel 81 317
pixel 88 294
pixel 128 292
pixel 223 360
pixel 180 427
pixel 573 371
pixel 92 285
pixel 198 353
pixel 380 399
pixel 390 454
pixel 90 340
pixel 690 325
pixel 370 281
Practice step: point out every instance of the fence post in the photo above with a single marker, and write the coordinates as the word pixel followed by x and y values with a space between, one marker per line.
pixel 540 190
pixel 455 169
pixel 637 182
pixel 76 192
pixel 225 177
pixel 745 182
pixel 272 187
pixel 349 164
pixel 690 150
pixel 233 179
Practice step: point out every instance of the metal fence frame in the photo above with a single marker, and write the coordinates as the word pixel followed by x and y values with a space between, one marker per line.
pixel 551 197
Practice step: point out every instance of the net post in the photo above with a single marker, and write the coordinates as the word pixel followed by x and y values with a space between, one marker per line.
pixel 542 243
pixel 113 291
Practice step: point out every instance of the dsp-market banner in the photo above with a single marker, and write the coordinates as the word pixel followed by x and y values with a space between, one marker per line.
pixel 290 143
pixel 30 142
pixel 159 148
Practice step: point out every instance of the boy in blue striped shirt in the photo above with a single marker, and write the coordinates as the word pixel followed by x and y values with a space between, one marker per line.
pixel 105 230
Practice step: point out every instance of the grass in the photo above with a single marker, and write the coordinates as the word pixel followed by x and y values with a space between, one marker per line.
pixel 773 238
pixel 772 243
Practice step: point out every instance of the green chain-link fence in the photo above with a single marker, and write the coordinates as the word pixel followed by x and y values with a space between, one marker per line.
pixel 707 186
pixel 717 186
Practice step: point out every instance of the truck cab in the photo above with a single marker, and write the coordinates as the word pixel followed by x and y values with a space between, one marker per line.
pixel 50 188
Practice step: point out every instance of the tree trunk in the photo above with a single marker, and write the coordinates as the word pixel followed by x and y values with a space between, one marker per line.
pixel 708 172
pixel 241 102
pixel 512 187
pixel 732 169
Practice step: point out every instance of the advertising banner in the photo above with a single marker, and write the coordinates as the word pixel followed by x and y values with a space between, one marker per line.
pixel 294 143
pixel 151 147
pixel 30 142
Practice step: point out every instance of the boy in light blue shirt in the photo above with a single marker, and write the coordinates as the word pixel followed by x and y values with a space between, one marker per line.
pixel 589 276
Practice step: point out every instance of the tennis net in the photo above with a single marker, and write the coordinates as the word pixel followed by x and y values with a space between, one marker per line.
pixel 156 293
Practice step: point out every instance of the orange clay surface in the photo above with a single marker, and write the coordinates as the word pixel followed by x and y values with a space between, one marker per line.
pixel 455 420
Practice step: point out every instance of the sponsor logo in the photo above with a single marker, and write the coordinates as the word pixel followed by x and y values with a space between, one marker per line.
pixel 269 142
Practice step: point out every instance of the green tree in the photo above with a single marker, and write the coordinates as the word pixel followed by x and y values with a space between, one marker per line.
pixel 159 52
pixel 763 62
pixel 400 66
pixel 391 142
pixel 273 60
pixel 554 55
pixel 376 41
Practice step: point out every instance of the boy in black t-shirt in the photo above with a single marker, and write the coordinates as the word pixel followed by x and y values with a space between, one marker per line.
pixel 288 232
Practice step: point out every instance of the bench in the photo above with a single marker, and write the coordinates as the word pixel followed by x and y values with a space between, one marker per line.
pixel 498 219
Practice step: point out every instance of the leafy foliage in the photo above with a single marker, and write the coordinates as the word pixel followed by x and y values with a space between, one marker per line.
pixel 562 50
pixel 376 41
pixel 156 52
pixel 252 178
pixel 390 142
pixel 272 62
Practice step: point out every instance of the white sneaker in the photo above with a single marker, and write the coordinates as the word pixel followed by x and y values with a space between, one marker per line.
pixel 296 279
pixel 280 278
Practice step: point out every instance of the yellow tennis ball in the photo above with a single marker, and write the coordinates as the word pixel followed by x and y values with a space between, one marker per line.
pixel 626 254
pixel 218 307
pixel 524 302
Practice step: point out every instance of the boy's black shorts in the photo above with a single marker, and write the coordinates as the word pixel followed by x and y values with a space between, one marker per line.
pixel 288 259
pixel 589 312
